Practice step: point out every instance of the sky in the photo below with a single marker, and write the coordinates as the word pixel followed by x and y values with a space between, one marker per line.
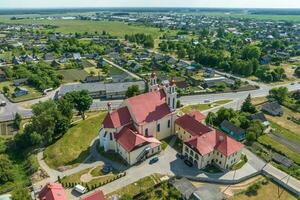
pixel 150 3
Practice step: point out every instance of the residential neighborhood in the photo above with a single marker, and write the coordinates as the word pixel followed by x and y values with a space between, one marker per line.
pixel 147 103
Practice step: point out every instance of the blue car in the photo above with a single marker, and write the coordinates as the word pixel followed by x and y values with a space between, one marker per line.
pixel 153 160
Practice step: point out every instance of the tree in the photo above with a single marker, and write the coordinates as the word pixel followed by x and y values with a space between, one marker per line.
pixel 126 197
pixel 18 120
pixel 251 52
pixel 248 106
pixel 5 89
pixel 280 94
pixel 6 167
pixel 255 128
pixel 225 114
pixel 178 104
pixel 66 107
pixel 211 118
pixel 81 100
pixel 132 91
pixel 20 193
pixel 297 71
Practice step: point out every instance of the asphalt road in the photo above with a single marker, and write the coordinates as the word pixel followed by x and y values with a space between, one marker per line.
pixel 8 112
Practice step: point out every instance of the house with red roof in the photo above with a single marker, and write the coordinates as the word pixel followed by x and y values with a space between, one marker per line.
pixel 53 191
pixel 135 128
pixel 97 195
pixel 203 145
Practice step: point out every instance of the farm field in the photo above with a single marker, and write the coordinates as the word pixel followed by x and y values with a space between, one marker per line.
pixel 270 191
pixel 81 26
pixel 284 122
pixel 73 75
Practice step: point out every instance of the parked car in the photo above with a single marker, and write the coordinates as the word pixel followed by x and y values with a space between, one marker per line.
pixel 2 103
pixel 179 155
pixel 80 189
pixel 107 168
pixel 153 160
pixel 188 163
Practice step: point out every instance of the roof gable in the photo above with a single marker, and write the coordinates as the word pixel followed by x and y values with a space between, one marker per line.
pixel 117 118
pixel 148 107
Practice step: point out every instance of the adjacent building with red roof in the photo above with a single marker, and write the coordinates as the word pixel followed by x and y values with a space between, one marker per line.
pixel 135 128
pixel 204 145
pixel 53 191
pixel 97 195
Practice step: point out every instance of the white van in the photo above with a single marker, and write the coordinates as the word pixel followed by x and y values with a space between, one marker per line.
pixel 80 189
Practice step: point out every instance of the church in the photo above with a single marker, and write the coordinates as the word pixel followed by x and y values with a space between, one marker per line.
pixel 135 128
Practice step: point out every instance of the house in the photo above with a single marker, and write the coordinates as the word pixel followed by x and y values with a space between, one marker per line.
pixel 92 79
pixel 20 91
pixel 213 82
pixel 172 61
pixel 97 195
pixel 135 128
pixel 272 108
pixel 209 73
pixel 101 89
pixel 2 75
pixel 48 57
pixel 236 132
pixel 55 63
pixel 77 56
pixel 53 191
pixel 265 60
pixel 260 117
pixel 203 145
pixel 21 81
pixel 16 61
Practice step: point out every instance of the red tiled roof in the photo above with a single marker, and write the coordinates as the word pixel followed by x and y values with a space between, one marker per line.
pixel 149 107
pixel 215 140
pixel 130 139
pixel 117 118
pixel 197 115
pixel 191 124
pixel 228 146
pixel 97 195
pixel 53 191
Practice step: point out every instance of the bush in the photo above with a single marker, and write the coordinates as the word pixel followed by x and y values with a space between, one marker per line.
pixel 252 190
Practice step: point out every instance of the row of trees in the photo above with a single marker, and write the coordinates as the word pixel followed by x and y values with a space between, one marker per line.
pixel 142 39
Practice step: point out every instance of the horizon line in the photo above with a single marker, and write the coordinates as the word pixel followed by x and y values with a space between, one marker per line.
pixel 138 7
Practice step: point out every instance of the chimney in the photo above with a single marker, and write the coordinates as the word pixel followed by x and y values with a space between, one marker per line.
pixel 109 107
pixel 221 138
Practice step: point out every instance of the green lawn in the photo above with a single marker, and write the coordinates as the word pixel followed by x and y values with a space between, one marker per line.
pixel 271 143
pixel 33 93
pixel 293 137
pixel 138 186
pixel 202 107
pixel 76 178
pixel 118 29
pixel 73 147
pixel 115 71
pixel 73 75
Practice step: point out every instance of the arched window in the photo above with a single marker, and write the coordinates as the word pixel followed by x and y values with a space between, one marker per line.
pixel 146 132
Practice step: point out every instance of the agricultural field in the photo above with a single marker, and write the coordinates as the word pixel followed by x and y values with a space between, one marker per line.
pixel 269 191
pixel 81 26
pixel 284 121
pixel 73 75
